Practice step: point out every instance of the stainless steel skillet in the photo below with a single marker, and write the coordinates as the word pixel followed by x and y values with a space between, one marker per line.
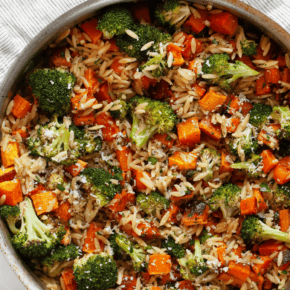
pixel 49 34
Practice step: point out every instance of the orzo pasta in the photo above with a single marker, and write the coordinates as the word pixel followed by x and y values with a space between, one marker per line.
pixel 152 154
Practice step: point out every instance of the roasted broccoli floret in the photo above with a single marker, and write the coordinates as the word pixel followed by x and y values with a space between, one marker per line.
pixel 122 112
pixel 85 142
pixel 247 142
pixel 249 47
pixel 192 265
pixel 113 244
pixel 55 181
pixel 145 33
pixel 259 115
pixel 172 248
pixel 35 239
pixel 59 255
pixel 114 21
pixel 226 72
pixel 255 231
pixel 52 139
pixel 52 88
pixel 226 199
pixel 136 253
pixel 282 115
pixel 159 117
pixel 170 13
pixel 52 143
pixel 152 202
pixel 159 71
pixel 281 196
pixel 209 161
pixel 12 215
pixel 95 272
pixel 98 181
pixel 253 166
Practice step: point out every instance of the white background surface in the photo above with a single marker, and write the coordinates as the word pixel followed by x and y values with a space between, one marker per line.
pixel 35 15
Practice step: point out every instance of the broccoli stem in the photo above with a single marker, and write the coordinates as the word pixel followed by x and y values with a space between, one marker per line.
pixel 123 243
pixel 137 255
pixel 107 34
pixel 223 210
pixel 251 166
pixel 33 225
pixel 241 165
pixel 141 138
pixel 238 70
pixel 128 248
pixel 63 138
pixel 226 210
pixel 11 225
pixel 197 250
pixel 268 233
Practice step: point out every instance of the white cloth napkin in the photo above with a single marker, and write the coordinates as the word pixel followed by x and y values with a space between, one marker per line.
pixel 21 20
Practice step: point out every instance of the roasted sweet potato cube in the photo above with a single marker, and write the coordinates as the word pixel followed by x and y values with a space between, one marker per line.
pixel 8 156
pixel 44 202
pixel 63 211
pixel 77 168
pixel 12 190
pixel 21 107
pixel 159 264
pixel 89 245
pixel 7 174
pixel 183 160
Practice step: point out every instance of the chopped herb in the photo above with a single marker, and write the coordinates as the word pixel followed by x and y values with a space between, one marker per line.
pixel 60 187
pixel 264 187
pixel 152 160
